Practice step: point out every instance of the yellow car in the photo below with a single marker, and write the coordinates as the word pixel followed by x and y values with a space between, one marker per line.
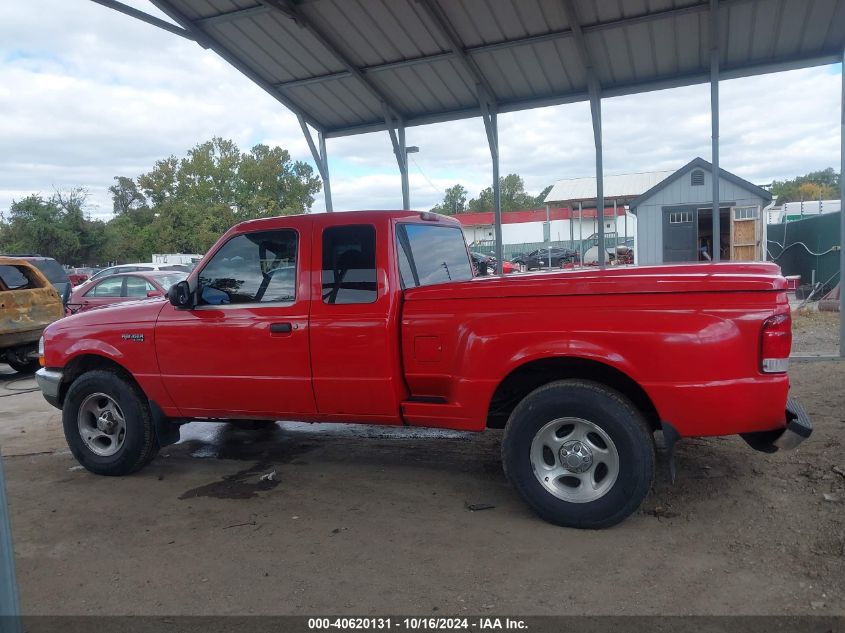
pixel 28 304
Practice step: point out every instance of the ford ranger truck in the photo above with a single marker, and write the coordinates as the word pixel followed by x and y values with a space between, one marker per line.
pixel 375 317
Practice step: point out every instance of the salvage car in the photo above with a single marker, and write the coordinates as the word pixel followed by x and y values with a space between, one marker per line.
pixel 486 265
pixel 52 270
pixel 540 258
pixel 122 287
pixel 376 317
pixel 28 304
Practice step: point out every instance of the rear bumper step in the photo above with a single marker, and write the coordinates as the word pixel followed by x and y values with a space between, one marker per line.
pixel 798 428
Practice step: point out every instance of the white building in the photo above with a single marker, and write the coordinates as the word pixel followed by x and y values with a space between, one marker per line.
pixel 529 226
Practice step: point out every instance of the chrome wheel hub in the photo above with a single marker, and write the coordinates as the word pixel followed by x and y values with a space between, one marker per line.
pixel 574 459
pixel 575 456
pixel 101 424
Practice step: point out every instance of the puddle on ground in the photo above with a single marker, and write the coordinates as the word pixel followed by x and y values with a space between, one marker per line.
pixel 279 443
pixel 243 484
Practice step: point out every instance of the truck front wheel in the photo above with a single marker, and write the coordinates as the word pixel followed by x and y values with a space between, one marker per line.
pixel 580 454
pixel 107 424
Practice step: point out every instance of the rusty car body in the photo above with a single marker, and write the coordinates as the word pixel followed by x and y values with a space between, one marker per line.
pixel 28 304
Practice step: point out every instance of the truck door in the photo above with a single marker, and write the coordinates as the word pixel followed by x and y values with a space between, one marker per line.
pixel 243 350
pixel 354 323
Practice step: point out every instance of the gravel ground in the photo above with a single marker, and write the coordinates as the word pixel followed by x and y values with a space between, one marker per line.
pixel 363 520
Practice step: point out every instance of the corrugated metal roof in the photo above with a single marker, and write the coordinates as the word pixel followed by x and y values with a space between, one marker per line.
pixel 342 63
pixel 615 186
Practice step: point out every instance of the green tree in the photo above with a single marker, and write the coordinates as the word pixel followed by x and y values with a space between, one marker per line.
pixel 54 227
pixel 514 196
pixel 454 201
pixel 816 185
pixel 184 205
pixel 540 200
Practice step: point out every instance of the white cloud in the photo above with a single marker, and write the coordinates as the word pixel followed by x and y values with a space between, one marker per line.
pixel 88 94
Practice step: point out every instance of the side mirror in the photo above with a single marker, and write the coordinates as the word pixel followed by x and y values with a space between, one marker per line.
pixel 179 295
pixel 154 293
pixel 66 294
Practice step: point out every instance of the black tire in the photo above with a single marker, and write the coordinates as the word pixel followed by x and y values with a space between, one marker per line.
pixel 614 415
pixel 28 366
pixel 139 445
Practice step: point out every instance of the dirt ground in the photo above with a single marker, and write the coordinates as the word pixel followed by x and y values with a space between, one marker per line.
pixel 815 332
pixel 364 520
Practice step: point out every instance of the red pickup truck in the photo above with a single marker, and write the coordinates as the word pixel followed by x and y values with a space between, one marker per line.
pixel 376 317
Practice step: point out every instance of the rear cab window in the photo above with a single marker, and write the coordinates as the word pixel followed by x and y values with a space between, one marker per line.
pixel 349 264
pixel 431 254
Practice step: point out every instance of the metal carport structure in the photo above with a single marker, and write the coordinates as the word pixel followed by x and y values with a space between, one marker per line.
pixel 353 66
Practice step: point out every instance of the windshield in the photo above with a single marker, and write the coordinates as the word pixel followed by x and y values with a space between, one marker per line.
pixel 51 269
pixel 165 281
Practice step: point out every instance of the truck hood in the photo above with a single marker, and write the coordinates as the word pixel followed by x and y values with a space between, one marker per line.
pixel 721 277
pixel 141 311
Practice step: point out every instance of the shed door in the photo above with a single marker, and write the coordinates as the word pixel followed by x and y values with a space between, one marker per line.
pixel 745 234
pixel 679 235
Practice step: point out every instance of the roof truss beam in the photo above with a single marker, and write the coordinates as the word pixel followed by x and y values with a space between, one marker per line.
pixel 435 12
pixel 230 16
pixel 146 17
pixel 468 52
pixel 290 9
pixel 206 41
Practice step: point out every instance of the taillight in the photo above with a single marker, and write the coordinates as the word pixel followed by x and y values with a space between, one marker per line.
pixel 775 344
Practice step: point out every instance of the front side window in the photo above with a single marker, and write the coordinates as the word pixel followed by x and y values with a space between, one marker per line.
pixel 137 287
pixel 349 264
pixel 433 254
pixel 108 288
pixel 257 267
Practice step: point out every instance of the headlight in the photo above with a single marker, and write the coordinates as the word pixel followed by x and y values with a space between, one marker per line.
pixel 41 352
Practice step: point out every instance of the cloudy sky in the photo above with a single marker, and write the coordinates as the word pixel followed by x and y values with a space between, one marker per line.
pixel 87 94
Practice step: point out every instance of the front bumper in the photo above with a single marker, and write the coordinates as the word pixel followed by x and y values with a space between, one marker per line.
pixel 49 381
pixel 798 428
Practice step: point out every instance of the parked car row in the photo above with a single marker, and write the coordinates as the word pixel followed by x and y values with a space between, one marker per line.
pixel 122 287
pixel 37 290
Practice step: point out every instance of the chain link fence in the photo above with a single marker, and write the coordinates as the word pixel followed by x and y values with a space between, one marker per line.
pixel 488 247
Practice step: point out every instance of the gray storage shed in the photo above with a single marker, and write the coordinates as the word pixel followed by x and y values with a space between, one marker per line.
pixel 675 217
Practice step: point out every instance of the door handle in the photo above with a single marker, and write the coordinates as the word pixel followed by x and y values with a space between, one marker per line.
pixel 280 328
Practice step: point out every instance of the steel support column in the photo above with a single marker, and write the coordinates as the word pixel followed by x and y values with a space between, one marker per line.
pixel 594 91
pixel 714 120
pixel 842 218
pixel 492 129
pixel 321 158
pixel 9 604
pixel 595 110
pixel 396 129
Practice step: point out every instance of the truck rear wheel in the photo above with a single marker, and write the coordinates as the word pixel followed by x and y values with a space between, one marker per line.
pixel 107 424
pixel 579 453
